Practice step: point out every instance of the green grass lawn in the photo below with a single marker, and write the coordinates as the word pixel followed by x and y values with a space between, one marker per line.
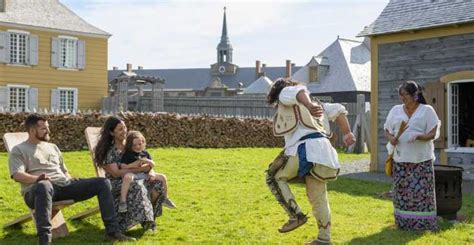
pixel 222 198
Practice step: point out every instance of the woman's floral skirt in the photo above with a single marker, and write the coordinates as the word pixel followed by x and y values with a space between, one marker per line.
pixel 414 196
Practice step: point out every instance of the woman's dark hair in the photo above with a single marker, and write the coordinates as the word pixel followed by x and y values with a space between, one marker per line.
pixel 277 86
pixel 106 139
pixel 414 89
pixel 131 136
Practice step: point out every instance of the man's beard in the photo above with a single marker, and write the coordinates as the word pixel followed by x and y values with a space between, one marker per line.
pixel 44 138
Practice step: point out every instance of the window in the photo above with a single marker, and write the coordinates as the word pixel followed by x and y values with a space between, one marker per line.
pixel 18 98
pixel 67 99
pixel 18 48
pixel 460 116
pixel 68 52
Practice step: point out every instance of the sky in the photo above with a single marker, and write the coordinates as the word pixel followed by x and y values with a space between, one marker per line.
pixel 184 34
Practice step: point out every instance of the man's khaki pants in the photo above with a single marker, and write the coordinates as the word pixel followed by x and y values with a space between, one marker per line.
pixel 315 190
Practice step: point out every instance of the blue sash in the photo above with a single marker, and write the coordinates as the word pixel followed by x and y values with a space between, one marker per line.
pixel 304 165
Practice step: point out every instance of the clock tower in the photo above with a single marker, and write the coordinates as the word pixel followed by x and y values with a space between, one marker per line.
pixel 224 64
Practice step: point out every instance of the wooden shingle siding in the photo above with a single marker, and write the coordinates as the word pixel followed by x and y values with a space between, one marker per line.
pixel 423 60
pixel 91 82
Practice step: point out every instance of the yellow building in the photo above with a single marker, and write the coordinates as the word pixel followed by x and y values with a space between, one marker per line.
pixel 50 58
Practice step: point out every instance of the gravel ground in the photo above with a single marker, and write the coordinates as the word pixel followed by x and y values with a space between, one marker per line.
pixel 360 170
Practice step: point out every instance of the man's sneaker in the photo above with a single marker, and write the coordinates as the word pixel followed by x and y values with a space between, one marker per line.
pixel 168 203
pixel 122 207
pixel 294 223
pixel 117 236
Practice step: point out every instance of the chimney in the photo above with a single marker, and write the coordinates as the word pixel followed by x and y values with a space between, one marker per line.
pixel 258 69
pixel 288 68
pixel 140 67
pixel 115 68
pixel 129 67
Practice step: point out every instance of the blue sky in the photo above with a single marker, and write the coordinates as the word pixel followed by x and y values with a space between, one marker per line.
pixel 184 34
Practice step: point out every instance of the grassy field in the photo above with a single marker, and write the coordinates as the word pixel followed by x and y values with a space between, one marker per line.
pixel 222 198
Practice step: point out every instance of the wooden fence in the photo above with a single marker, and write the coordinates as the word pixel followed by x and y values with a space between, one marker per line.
pixel 251 106
pixel 256 107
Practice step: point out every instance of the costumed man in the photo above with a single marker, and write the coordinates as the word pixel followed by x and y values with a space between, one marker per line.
pixel 308 152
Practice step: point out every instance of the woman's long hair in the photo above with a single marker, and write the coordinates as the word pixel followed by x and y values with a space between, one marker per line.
pixel 414 89
pixel 131 136
pixel 277 86
pixel 106 139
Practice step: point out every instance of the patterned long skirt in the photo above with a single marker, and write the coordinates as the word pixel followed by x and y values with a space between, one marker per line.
pixel 139 206
pixel 414 196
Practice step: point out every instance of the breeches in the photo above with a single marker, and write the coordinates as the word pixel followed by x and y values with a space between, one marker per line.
pixel 285 168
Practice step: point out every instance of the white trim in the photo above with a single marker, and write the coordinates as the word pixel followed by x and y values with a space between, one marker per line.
pixel 451 147
pixel 37 28
pixel 18 86
pixel 460 150
pixel 68 37
pixel 67 69
pixel 67 88
pixel 19 31
pixel 18 65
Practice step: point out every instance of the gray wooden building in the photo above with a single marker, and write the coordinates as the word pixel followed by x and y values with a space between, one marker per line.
pixel 431 42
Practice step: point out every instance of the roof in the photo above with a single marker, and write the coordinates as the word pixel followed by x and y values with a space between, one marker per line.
pixel 49 14
pixel 260 86
pixel 407 15
pixel 200 78
pixel 349 68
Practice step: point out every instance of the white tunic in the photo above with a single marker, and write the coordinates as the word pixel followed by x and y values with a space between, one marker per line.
pixel 318 150
pixel 422 121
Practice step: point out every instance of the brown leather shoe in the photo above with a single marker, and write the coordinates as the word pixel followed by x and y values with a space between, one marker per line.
pixel 294 223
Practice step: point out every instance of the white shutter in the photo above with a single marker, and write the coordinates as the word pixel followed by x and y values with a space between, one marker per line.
pixel 33 55
pixel 4 97
pixel 81 54
pixel 54 100
pixel 4 47
pixel 55 52
pixel 76 102
pixel 33 99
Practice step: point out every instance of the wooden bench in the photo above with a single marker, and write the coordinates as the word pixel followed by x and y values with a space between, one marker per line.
pixel 59 227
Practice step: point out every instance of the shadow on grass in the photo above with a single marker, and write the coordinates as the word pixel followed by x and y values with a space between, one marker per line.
pixel 392 235
pixel 354 187
pixel 16 235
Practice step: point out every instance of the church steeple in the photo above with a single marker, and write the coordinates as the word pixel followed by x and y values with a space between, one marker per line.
pixel 224 37
pixel 224 48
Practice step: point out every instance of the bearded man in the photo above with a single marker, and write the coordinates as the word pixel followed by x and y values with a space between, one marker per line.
pixel 44 178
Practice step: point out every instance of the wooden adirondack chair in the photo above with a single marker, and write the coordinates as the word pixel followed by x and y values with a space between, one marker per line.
pixel 59 228
pixel 57 219
pixel 92 137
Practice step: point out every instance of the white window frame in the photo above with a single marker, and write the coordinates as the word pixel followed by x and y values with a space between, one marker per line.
pixel 18 86
pixel 74 96
pixel 27 47
pixel 451 146
pixel 68 56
